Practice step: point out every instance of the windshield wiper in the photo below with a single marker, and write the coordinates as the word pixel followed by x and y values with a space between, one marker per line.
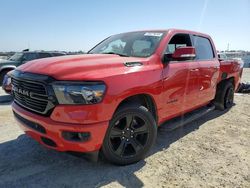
pixel 122 55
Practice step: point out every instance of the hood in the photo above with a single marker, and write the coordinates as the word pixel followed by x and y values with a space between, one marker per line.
pixel 81 67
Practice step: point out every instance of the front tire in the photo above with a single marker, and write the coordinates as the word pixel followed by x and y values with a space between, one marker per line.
pixel 131 133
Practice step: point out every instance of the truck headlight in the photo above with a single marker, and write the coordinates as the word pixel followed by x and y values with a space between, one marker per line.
pixel 79 93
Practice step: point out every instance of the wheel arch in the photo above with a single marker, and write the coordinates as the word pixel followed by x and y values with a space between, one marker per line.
pixel 221 92
pixel 229 79
pixel 143 99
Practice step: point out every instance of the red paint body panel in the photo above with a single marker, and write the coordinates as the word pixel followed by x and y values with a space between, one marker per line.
pixel 175 88
pixel 233 69
pixel 54 131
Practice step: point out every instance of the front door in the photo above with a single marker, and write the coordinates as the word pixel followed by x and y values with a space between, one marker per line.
pixel 180 80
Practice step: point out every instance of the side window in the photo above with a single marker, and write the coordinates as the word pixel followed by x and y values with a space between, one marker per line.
pixel 29 56
pixel 179 40
pixel 44 55
pixel 203 48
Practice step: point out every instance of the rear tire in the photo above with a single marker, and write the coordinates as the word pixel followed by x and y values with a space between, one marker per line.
pixel 131 133
pixel 224 98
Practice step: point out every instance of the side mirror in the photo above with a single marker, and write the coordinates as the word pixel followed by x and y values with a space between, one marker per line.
pixel 167 58
pixel 181 54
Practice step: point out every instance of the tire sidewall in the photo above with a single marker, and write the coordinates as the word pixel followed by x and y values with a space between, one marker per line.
pixel 142 112
pixel 230 87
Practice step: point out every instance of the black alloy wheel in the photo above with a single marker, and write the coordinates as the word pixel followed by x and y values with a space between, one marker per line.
pixel 229 97
pixel 224 98
pixel 131 134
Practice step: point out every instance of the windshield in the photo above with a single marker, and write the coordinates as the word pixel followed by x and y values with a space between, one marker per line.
pixel 16 57
pixel 134 44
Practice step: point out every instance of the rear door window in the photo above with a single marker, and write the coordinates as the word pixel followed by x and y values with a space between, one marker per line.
pixel 203 48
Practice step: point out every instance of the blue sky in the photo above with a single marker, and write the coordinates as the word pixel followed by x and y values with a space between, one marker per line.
pixel 79 25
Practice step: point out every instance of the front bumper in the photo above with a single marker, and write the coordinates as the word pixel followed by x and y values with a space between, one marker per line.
pixel 53 132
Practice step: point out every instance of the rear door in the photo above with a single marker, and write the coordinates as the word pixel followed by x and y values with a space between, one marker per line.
pixel 208 68
pixel 180 80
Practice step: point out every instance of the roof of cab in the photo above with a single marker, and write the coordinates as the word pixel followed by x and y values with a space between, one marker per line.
pixel 173 30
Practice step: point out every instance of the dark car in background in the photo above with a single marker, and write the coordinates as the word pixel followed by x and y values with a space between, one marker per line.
pixel 20 58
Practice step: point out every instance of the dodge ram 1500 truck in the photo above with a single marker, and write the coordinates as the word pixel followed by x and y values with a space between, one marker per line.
pixel 113 98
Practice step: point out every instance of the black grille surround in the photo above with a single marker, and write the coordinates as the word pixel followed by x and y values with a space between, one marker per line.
pixel 33 92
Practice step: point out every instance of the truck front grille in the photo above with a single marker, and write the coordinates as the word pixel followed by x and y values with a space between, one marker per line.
pixel 30 95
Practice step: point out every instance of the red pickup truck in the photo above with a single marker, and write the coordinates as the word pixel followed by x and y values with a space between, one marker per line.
pixel 113 98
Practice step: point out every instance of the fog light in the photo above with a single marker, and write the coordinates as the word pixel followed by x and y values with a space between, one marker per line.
pixel 84 136
pixel 76 136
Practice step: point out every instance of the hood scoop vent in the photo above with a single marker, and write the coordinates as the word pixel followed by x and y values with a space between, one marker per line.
pixel 132 64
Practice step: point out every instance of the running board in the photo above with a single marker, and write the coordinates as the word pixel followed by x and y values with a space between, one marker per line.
pixel 186 118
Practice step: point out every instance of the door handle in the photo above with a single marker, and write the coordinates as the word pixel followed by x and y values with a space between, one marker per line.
pixel 194 70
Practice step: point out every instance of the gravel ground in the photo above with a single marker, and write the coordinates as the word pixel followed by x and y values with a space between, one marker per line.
pixel 211 152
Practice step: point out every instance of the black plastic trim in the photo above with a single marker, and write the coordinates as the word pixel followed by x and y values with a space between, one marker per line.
pixel 30 124
pixel 48 142
pixel 43 80
pixel 224 76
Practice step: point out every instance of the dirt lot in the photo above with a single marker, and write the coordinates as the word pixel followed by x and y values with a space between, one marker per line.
pixel 211 152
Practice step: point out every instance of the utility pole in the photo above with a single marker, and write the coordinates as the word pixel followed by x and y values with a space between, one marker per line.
pixel 227 46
